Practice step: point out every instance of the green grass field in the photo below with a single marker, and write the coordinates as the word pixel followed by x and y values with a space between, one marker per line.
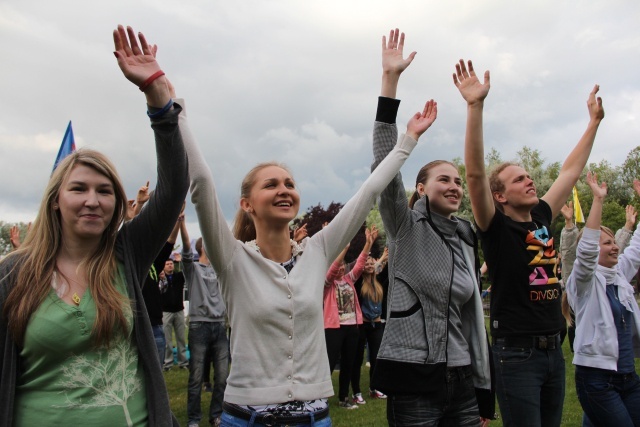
pixel 373 413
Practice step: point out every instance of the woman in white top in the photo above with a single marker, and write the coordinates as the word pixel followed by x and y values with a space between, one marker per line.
pixel 280 372
pixel 608 325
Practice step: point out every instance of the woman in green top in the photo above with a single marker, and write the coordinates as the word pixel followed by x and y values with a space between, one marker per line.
pixel 76 346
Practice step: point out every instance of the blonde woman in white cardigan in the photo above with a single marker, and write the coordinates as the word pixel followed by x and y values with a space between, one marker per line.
pixel 273 292
pixel 608 320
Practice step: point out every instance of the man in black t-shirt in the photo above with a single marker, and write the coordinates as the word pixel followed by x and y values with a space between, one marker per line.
pixel 513 225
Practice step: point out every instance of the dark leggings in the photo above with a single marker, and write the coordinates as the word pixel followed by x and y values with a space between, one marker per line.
pixel 370 334
pixel 342 344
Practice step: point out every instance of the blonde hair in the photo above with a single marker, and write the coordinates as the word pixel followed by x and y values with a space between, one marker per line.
pixel 495 183
pixel 566 308
pixel 243 227
pixel 36 257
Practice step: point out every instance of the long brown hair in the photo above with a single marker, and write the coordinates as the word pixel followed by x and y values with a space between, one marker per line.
pixel 243 227
pixel 371 288
pixel 36 257
pixel 422 177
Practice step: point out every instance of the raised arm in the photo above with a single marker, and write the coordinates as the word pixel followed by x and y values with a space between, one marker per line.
pixel 149 231
pixel 623 236
pixel 371 236
pixel 14 236
pixel 138 64
pixel 141 198
pixel 217 238
pixel 629 260
pixel 568 241
pixel 588 251
pixel 474 93
pixel 333 272
pixel 599 193
pixel 577 159
pixel 184 234
pixel 393 63
pixel 382 261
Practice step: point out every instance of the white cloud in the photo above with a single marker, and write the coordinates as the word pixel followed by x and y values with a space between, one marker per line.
pixel 298 82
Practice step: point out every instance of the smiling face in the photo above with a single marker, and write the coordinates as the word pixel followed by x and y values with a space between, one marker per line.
pixel 369 266
pixel 273 196
pixel 518 190
pixel 609 250
pixel 443 187
pixel 86 203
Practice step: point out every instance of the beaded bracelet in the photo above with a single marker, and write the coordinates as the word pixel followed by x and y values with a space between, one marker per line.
pixel 151 79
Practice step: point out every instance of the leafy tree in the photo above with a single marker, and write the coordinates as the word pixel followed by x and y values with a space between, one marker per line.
pixel 631 170
pixel 317 215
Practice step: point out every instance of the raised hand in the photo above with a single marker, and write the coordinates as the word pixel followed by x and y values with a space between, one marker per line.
pixel 137 61
pixel 599 191
pixel 420 122
pixel 469 85
pixel 392 60
pixel 131 210
pixel 143 194
pixel 14 236
pixel 630 216
pixel 636 186
pixel 596 111
pixel 385 254
pixel 374 233
pixel 300 233
pixel 567 211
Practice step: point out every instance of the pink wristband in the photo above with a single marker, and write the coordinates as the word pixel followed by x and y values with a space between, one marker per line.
pixel 151 79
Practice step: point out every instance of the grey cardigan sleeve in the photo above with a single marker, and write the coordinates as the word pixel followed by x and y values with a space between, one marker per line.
pixel 568 243
pixel 393 202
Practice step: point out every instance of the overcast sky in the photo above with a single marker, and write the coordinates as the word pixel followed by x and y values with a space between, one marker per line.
pixel 297 81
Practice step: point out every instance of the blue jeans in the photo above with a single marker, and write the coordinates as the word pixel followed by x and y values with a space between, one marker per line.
pixel 454 405
pixel 158 335
pixel 530 385
pixel 203 336
pixel 231 421
pixel 609 399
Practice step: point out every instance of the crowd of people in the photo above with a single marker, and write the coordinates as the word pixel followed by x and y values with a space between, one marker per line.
pixel 92 298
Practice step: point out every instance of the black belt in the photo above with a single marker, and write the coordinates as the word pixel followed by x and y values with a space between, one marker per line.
pixel 271 420
pixel 541 342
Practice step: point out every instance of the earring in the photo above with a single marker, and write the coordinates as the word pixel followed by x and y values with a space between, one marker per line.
pixel 55 206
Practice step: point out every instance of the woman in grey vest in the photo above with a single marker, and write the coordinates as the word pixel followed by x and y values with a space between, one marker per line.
pixel 433 362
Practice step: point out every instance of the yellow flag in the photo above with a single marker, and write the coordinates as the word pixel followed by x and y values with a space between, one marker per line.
pixel 577 210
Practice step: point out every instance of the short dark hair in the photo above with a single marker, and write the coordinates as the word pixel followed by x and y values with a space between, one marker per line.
pixel 199 246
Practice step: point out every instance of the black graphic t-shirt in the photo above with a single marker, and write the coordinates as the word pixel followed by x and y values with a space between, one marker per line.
pixel 522 261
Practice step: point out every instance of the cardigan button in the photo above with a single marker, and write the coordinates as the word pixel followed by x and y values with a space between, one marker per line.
pixel 288 377
pixel 289 336
pixel 289 296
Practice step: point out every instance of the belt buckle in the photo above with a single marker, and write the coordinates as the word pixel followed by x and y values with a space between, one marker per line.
pixel 542 343
pixel 269 420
